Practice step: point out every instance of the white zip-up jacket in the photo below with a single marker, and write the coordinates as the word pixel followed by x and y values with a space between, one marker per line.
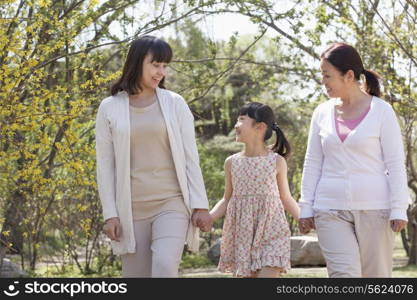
pixel 365 172
pixel 113 162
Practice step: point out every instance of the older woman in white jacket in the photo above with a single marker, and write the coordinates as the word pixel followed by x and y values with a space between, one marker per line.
pixel 149 180
pixel 354 186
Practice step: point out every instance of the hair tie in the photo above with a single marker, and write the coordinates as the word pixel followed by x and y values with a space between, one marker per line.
pixel 275 126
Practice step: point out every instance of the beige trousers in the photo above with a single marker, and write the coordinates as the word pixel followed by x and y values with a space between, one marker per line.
pixel 357 243
pixel 159 246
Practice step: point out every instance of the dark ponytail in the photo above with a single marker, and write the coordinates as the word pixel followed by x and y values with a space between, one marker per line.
pixel 263 113
pixel 373 86
pixel 344 57
pixel 282 146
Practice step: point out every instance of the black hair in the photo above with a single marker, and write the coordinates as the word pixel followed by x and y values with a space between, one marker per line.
pixel 263 113
pixel 344 57
pixel 132 70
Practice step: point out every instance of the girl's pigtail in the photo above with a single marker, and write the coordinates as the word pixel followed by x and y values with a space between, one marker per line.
pixel 282 146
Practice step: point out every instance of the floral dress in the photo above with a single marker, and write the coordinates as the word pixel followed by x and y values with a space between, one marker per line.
pixel 255 232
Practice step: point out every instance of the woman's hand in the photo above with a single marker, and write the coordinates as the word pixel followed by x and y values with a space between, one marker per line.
pixel 202 219
pixel 113 229
pixel 398 225
pixel 306 224
pixel 206 227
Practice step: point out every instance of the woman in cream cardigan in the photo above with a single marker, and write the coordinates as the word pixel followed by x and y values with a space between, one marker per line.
pixel 354 186
pixel 149 180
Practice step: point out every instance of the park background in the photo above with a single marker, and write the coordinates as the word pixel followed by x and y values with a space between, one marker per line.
pixel 58 59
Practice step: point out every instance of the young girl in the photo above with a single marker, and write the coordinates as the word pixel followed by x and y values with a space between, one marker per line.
pixel 256 236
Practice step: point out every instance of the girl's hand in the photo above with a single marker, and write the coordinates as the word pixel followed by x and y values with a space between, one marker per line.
pixel 398 225
pixel 207 227
pixel 202 219
pixel 113 229
pixel 306 224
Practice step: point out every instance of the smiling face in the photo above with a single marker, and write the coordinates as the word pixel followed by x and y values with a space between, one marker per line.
pixel 333 80
pixel 248 130
pixel 152 73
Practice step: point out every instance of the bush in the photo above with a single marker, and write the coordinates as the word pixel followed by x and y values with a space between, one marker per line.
pixel 195 261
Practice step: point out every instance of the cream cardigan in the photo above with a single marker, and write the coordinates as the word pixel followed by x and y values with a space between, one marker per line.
pixel 113 162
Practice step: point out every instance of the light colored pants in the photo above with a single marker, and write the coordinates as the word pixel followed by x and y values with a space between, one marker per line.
pixel 357 243
pixel 159 246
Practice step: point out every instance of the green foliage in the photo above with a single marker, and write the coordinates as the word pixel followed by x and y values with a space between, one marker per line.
pixel 57 61
pixel 195 261
pixel 71 270
pixel 212 156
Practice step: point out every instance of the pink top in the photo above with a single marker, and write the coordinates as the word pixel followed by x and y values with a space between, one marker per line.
pixel 344 127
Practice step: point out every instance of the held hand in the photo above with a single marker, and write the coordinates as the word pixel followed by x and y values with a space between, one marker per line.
pixel 112 229
pixel 398 225
pixel 306 224
pixel 206 225
pixel 202 219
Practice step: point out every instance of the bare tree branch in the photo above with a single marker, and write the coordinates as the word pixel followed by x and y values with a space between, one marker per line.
pixel 279 68
pixel 228 69
pixel 393 35
pixel 272 25
pixel 139 32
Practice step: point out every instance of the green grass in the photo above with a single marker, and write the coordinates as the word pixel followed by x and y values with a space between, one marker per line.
pixel 195 261
pixel 71 270
pixel 199 266
pixel 407 271
pixel 399 270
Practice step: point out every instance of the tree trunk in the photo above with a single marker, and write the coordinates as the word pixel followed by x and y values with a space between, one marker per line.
pixel 412 258
pixel 12 224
